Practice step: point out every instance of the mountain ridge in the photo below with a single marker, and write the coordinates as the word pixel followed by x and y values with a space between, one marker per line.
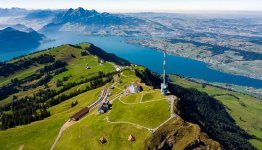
pixel 85 17
pixel 81 15
pixel 13 39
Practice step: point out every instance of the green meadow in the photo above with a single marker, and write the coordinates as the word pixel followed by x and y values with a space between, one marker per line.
pixel 150 114
pixel 86 132
pixel 132 114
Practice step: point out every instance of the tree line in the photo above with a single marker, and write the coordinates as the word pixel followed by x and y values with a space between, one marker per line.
pixel 32 108
pixel 106 56
pixel 7 69
pixel 46 73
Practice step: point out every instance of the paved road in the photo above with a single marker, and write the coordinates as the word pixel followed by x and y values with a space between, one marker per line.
pixel 102 97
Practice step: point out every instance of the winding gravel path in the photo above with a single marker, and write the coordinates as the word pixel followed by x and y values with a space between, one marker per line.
pixel 65 126
pixel 172 115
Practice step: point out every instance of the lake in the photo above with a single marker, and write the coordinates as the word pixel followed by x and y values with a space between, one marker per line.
pixel 147 57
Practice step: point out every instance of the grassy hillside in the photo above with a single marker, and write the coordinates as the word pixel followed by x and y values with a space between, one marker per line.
pixel 245 110
pixel 87 131
pixel 76 69
pixel 133 117
pixel 45 131
pixel 46 85
pixel 178 134
pixel 145 114
pixel 86 134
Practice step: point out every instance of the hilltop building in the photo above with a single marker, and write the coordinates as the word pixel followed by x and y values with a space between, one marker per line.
pixel 101 61
pixel 134 88
pixel 118 68
pixel 105 106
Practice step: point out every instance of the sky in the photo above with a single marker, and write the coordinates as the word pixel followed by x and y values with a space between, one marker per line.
pixel 139 5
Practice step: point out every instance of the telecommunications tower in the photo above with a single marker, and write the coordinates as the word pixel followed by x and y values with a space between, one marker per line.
pixel 164 84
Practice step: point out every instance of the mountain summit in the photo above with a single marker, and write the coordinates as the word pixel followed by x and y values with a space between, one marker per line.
pixel 90 17
pixel 74 18
pixel 75 15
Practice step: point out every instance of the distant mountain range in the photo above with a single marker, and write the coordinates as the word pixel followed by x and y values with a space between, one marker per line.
pixel 43 14
pixel 89 22
pixel 92 21
pixel 19 37
pixel 83 16
pixel 21 27
pixel 13 11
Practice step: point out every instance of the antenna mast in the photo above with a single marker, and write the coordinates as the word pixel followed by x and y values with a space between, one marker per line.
pixel 164 67
pixel 164 85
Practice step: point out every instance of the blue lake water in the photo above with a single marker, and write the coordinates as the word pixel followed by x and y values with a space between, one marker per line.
pixel 148 57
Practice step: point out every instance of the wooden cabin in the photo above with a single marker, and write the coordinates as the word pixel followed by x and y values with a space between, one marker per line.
pixel 80 114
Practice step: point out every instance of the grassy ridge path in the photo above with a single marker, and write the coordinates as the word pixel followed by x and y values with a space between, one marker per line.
pixel 171 99
pixel 172 114
pixel 63 128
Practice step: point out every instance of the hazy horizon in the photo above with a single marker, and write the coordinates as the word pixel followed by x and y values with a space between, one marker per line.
pixel 139 5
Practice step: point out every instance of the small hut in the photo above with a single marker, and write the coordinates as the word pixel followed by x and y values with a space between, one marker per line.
pixel 118 68
pixel 101 61
pixel 131 138
pixel 103 140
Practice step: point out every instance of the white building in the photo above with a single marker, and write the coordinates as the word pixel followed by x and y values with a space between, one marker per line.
pixel 134 88
pixel 118 68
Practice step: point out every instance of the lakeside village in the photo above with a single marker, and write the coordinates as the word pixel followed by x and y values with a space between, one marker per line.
pixel 103 102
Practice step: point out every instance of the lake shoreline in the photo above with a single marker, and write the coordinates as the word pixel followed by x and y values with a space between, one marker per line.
pixel 136 53
pixel 210 65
